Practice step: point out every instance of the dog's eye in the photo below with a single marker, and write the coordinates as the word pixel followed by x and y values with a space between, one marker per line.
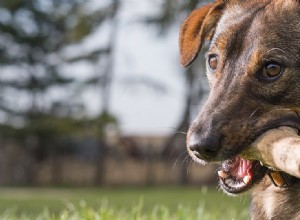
pixel 271 72
pixel 213 62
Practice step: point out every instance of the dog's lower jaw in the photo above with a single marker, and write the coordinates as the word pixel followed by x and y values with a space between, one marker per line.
pixel 271 202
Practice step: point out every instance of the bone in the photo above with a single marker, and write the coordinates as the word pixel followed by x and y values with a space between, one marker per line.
pixel 278 148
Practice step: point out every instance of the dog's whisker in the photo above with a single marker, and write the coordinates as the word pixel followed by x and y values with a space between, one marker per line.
pixel 189 165
pixel 176 161
pixel 268 113
pixel 286 56
pixel 253 113
pixel 185 160
pixel 179 132
pixel 171 154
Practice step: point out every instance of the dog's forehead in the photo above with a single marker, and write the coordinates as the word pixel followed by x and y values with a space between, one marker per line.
pixel 237 12
pixel 262 23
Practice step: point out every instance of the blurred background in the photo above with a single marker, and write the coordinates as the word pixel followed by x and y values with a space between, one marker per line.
pixel 94 110
pixel 92 93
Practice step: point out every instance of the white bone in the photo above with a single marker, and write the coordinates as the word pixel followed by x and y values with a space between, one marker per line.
pixel 278 148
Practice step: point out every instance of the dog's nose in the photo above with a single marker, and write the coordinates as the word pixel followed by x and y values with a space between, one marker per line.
pixel 204 146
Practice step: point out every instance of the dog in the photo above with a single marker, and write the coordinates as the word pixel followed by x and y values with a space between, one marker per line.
pixel 253 70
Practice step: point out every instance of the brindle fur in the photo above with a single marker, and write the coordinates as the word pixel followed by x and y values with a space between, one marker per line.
pixel 271 202
pixel 246 34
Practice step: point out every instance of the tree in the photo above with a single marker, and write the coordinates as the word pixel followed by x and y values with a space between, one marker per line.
pixel 34 36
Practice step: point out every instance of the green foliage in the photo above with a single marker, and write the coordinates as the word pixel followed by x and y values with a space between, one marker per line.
pixel 33 37
pixel 38 31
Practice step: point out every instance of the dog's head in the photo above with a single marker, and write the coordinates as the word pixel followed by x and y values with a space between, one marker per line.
pixel 253 68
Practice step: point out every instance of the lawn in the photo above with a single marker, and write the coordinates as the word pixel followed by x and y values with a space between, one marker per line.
pixel 121 203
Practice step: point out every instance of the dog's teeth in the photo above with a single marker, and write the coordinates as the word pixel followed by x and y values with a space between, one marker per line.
pixel 261 163
pixel 223 174
pixel 247 179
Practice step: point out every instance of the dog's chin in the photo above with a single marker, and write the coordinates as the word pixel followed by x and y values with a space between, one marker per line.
pixel 238 175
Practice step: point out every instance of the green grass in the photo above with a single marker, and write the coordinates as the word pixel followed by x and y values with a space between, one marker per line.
pixel 180 203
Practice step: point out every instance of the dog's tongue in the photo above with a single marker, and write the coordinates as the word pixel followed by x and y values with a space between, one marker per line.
pixel 241 168
pixel 238 168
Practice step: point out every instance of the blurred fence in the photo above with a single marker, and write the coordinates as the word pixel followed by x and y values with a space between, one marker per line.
pixel 135 161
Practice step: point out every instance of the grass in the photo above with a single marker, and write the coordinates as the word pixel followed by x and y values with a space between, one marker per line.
pixel 178 203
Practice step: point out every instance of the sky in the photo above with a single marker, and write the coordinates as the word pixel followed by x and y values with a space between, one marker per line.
pixel 140 53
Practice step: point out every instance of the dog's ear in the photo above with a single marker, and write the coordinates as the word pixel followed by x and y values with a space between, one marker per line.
pixel 198 26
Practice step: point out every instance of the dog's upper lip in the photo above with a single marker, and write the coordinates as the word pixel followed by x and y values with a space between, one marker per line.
pixel 292 121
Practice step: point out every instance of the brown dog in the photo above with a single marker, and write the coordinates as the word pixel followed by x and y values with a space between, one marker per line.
pixel 253 68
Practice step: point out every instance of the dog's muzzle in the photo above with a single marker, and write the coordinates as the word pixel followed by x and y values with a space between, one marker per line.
pixel 204 146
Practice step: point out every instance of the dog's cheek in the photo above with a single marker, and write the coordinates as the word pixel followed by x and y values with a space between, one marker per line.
pixel 210 78
pixel 236 137
pixel 210 82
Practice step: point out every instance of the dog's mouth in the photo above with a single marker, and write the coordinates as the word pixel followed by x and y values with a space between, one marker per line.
pixel 238 175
